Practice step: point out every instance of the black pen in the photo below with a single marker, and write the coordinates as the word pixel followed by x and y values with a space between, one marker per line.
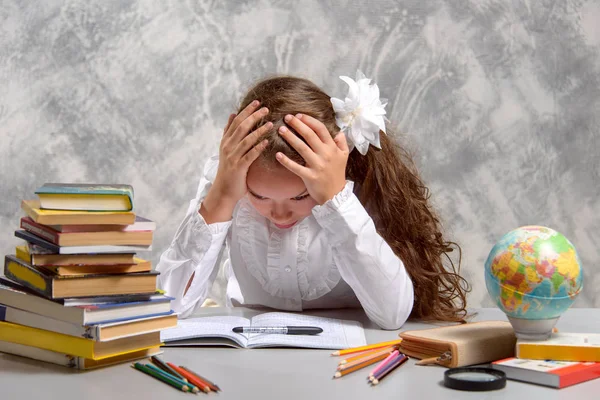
pixel 282 330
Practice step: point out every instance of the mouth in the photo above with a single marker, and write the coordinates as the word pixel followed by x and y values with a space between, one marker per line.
pixel 285 226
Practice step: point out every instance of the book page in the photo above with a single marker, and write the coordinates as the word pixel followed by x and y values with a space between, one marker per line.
pixel 337 334
pixel 205 327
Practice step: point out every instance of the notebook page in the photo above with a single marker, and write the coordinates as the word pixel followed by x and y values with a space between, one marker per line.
pixel 337 333
pixel 205 327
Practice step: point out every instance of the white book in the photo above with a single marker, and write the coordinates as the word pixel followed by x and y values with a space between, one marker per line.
pixel 69 361
pixel 104 332
pixel 337 334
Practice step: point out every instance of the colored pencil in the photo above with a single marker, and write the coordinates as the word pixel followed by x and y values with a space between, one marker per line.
pixel 198 382
pixel 191 387
pixel 154 374
pixel 386 366
pixel 360 356
pixel 384 363
pixel 212 385
pixel 161 364
pixel 376 356
pixel 398 362
pixel 367 347
pixel 345 371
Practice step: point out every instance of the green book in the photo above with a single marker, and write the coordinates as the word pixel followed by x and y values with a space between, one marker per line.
pixel 85 197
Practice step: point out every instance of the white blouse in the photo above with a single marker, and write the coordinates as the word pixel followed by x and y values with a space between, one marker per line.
pixel 331 259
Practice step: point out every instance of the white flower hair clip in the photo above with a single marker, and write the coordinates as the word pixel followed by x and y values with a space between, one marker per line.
pixel 361 114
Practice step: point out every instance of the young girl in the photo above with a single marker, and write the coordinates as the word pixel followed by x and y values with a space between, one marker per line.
pixel 311 219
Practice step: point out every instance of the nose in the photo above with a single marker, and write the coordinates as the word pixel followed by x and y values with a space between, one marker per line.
pixel 280 214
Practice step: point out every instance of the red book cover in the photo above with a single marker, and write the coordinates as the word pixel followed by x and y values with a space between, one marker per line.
pixel 557 374
pixel 43 231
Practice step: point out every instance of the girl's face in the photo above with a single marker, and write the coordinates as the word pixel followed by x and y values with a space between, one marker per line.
pixel 278 195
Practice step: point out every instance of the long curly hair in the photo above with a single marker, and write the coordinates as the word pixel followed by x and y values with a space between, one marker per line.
pixel 388 186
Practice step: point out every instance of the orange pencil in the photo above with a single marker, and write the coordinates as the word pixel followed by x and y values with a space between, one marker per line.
pixel 212 386
pixel 367 347
pixel 368 353
pixel 192 379
pixel 351 369
pixel 377 355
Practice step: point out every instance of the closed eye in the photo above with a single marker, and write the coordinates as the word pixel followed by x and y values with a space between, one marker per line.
pixel 257 196
pixel 301 197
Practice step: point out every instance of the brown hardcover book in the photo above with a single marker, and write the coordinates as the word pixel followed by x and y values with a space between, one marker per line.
pixel 87 270
pixel 62 217
pixel 54 286
pixel 87 238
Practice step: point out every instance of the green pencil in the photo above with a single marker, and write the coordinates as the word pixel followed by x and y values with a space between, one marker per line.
pixel 170 381
pixel 192 388
pixel 162 365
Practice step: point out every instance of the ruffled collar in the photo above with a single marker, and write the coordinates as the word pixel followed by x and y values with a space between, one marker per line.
pixel 256 233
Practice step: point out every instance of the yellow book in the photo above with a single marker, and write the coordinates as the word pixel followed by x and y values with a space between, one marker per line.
pixel 75 346
pixel 70 361
pixel 80 217
pixel 583 347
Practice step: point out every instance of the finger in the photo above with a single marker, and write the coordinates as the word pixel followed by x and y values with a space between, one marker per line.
pixel 253 154
pixel 251 139
pixel 341 142
pixel 250 108
pixel 302 148
pixel 317 126
pixel 229 121
pixel 250 122
pixel 293 166
pixel 307 133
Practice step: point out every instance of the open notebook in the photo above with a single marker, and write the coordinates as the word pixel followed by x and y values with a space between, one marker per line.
pixel 214 331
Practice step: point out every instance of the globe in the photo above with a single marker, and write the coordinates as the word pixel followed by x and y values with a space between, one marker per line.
pixel 533 274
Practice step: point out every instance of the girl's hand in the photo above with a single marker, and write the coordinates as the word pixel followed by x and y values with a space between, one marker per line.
pixel 325 172
pixel 237 151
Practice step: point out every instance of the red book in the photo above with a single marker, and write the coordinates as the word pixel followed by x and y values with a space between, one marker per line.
pixel 120 237
pixel 556 374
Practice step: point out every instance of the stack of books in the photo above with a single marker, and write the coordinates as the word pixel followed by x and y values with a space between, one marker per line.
pixel 75 293
pixel 563 360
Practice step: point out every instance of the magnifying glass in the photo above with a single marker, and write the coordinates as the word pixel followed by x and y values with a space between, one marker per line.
pixel 474 379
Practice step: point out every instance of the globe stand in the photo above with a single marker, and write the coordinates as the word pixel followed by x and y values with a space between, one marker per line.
pixel 533 329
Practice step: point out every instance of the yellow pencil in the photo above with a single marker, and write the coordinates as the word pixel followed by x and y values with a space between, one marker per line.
pixel 367 347
pixel 360 356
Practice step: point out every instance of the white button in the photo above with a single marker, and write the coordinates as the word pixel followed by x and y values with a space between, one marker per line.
pixel 288 268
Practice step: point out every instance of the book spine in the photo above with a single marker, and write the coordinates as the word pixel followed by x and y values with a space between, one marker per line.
pixel 31 238
pixel 558 353
pixel 46 340
pixel 28 276
pixel 32 320
pixel 40 230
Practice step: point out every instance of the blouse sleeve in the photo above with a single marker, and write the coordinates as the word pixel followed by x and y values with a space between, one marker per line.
pixel 196 248
pixel 365 261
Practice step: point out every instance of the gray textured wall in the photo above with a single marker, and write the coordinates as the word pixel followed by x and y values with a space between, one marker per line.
pixel 500 99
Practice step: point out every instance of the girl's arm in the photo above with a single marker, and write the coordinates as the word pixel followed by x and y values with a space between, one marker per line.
pixel 189 266
pixel 365 261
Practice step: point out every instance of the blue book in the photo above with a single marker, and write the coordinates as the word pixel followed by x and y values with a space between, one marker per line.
pixel 86 197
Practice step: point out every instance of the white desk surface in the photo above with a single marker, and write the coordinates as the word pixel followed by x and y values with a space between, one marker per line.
pixel 276 373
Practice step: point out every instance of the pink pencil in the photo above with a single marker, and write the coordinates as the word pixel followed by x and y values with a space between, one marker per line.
pixel 382 364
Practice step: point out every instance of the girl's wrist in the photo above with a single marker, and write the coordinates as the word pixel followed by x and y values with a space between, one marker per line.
pixel 217 207
pixel 324 199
